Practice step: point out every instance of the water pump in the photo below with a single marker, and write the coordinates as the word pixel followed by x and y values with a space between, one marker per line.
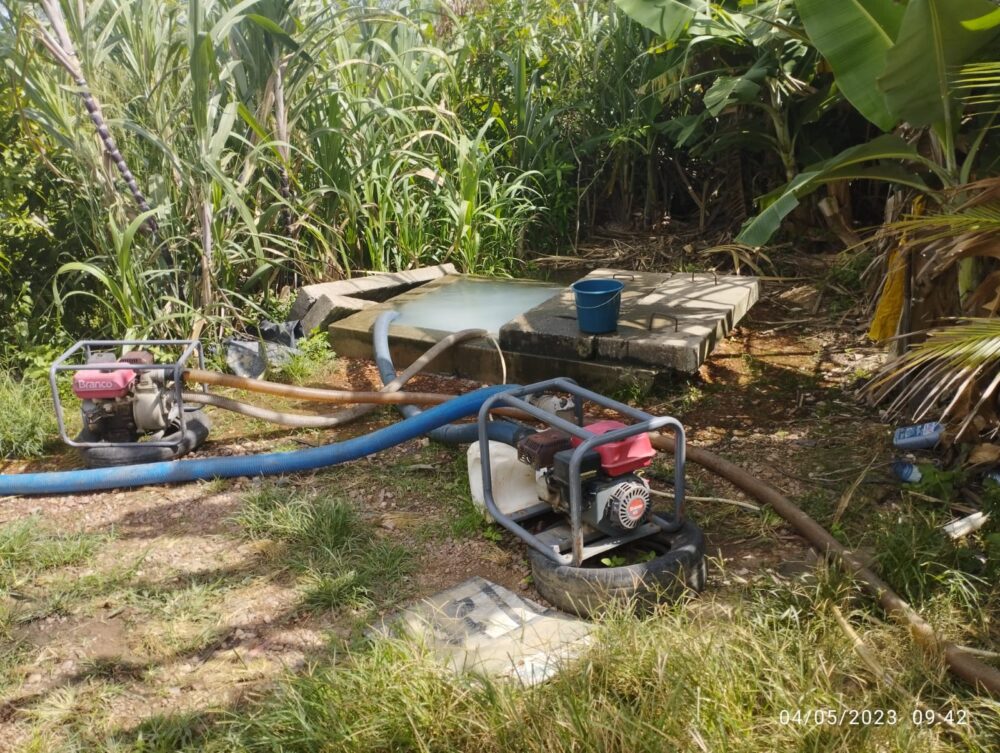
pixel 131 404
pixel 615 495
pixel 120 404
pixel 592 534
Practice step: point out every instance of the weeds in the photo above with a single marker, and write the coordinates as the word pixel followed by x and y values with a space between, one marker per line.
pixel 312 360
pixel 27 418
pixel 916 553
pixel 27 549
pixel 630 390
pixel 190 600
pixel 949 582
pixel 337 559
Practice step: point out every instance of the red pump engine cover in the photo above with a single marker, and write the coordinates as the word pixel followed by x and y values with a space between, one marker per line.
pixel 622 457
pixel 94 384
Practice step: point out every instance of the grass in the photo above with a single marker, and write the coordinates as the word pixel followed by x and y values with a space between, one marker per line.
pixel 27 552
pixel 436 478
pixel 712 673
pixel 27 549
pixel 27 420
pixel 63 593
pixel 336 557
pixel 312 361
pixel 680 679
pixel 177 618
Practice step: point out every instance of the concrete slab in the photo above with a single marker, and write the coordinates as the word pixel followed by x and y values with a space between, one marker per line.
pixel 479 626
pixel 378 287
pixel 479 360
pixel 476 359
pixel 329 308
pixel 667 321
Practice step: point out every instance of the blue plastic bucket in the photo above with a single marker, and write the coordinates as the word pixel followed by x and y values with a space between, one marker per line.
pixel 597 305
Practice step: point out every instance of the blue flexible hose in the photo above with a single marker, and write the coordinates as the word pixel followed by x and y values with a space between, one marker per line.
pixel 498 431
pixel 270 464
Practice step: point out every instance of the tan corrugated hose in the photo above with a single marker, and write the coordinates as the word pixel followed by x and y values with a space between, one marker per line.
pixel 389 394
pixel 313 394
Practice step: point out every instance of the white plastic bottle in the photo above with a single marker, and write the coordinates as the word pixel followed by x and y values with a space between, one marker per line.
pixel 513 481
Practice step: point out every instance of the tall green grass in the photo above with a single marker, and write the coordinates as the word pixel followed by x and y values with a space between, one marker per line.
pixel 284 142
pixel 277 143
pixel 27 418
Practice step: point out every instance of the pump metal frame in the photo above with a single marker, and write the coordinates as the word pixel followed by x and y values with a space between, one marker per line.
pixel 645 422
pixel 175 370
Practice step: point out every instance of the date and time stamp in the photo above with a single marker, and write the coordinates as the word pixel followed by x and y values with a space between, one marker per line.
pixel 837 717
pixel 840 716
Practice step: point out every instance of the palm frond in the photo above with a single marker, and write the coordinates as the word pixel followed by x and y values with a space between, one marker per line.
pixel 934 375
pixel 978 84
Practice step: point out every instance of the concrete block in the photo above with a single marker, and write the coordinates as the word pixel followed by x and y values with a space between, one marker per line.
pixel 667 321
pixel 480 626
pixel 330 308
pixel 378 287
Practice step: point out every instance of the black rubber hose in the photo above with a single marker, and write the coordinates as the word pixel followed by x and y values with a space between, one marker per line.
pixel 196 428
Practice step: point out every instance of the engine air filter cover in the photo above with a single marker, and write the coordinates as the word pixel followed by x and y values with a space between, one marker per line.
pixel 538 450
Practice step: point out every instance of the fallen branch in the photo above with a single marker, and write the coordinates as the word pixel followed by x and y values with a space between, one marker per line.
pixel 722 500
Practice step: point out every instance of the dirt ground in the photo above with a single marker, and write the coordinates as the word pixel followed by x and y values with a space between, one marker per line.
pixel 178 611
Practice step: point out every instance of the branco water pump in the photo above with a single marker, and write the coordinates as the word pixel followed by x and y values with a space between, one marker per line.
pixel 131 401
pixel 592 532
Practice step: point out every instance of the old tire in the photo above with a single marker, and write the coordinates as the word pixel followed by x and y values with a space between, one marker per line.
pixel 586 591
pixel 196 428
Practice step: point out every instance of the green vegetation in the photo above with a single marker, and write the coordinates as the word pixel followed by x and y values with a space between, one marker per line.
pixel 681 675
pixel 247 146
pixel 313 359
pixel 717 668
pixel 176 167
pixel 337 559
pixel 27 422
pixel 27 549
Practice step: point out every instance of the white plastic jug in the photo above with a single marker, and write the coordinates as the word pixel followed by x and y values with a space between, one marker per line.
pixel 513 481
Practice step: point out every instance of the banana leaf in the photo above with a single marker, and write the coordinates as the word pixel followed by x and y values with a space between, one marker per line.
pixel 848 165
pixel 935 37
pixel 729 90
pixel 668 18
pixel 855 36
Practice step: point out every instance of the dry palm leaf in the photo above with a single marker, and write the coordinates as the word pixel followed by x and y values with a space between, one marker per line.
pixel 942 369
